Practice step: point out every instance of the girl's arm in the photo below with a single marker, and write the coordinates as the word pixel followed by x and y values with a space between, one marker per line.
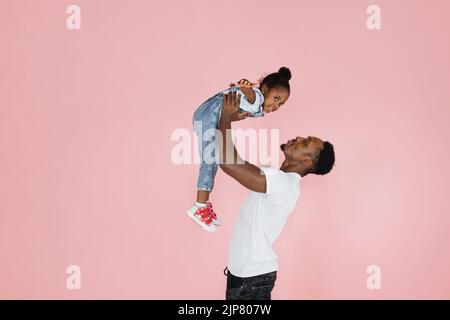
pixel 249 93
pixel 246 88
pixel 243 83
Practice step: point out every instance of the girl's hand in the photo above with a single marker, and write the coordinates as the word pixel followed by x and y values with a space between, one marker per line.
pixel 243 83
pixel 243 115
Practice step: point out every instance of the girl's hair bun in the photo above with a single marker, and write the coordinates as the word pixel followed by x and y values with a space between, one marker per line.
pixel 285 73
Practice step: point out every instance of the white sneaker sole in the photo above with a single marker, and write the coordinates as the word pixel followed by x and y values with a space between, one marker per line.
pixel 210 228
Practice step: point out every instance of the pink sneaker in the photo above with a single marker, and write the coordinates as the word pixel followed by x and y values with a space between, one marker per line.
pixel 203 217
pixel 214 217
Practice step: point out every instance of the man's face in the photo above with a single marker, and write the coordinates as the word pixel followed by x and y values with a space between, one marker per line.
pixel 299 148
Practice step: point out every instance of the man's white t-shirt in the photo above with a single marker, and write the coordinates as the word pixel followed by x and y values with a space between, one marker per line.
pixel 260 221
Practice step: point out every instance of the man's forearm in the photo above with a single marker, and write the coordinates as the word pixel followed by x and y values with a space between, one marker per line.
pixel 228 152
pixel 230 162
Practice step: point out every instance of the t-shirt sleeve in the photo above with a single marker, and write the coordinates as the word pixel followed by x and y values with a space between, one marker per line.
pixel 278 186
pixel 251 107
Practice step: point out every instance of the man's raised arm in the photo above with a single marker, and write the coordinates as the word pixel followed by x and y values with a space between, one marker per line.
pixel 231 163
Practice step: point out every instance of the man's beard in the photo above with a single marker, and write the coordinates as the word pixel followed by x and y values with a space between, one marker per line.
pixel 283 146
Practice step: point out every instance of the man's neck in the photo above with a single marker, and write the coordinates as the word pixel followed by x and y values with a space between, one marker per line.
pixel 286 167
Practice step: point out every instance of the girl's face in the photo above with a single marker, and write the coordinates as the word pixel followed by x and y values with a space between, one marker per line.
pixel 274 98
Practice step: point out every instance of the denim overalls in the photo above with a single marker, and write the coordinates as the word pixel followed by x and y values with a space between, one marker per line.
pixel 206 120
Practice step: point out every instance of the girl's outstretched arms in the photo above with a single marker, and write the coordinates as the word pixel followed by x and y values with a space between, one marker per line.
pixel 246 88
pixel 244 83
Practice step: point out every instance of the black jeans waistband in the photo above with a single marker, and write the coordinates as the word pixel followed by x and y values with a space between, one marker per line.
pixel 237 281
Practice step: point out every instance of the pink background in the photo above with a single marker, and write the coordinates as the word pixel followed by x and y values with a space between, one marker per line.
pixel 86 118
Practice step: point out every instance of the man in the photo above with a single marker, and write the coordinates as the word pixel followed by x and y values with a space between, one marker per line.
pixel 252 264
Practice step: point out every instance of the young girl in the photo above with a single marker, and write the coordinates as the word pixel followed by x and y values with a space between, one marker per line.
pixel 271 94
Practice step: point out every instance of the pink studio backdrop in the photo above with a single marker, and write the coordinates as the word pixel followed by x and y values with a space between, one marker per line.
pixel 86 118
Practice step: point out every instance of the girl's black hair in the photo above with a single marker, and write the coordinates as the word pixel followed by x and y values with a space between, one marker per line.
pixel 278 79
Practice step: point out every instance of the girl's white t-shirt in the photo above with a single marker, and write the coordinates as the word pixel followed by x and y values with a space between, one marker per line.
pixel 254 108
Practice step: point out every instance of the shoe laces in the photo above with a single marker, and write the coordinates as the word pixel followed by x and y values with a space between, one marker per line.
pixel 205 214
pixel 213 214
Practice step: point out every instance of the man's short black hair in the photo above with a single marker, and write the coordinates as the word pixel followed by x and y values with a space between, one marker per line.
pixel 325 159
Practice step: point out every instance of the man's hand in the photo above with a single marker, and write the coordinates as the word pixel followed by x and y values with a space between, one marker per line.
pixel 230 108
pixel 230 162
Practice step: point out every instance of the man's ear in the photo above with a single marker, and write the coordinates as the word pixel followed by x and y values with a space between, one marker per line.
pixel 307 163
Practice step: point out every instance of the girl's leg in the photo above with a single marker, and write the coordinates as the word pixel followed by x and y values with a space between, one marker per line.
pixel 202 196
pixel 205 182
pixel 209 162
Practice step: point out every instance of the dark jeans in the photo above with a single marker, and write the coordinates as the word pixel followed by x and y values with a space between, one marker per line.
pixel 251 288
